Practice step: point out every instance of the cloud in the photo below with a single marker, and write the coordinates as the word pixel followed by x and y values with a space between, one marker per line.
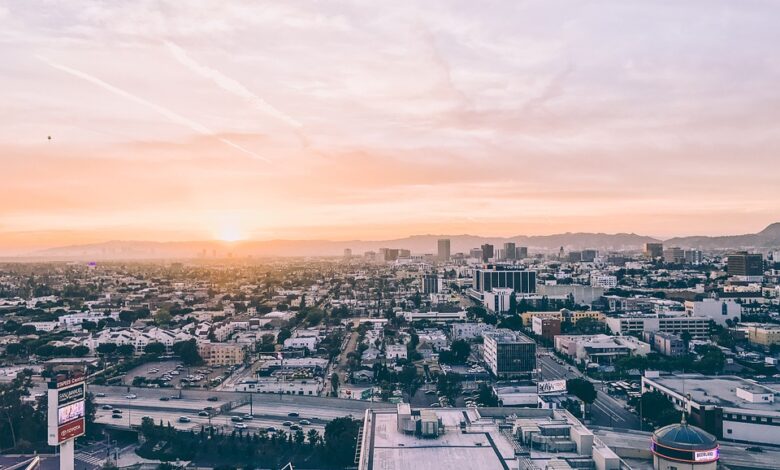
pixel 171 115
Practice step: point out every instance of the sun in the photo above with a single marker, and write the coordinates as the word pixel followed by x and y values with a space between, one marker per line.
pixel 230 233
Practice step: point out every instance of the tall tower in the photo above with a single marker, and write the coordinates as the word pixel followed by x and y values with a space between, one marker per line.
pixel 444 249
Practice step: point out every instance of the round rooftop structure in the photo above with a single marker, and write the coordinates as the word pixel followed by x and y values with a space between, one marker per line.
pixel 685 444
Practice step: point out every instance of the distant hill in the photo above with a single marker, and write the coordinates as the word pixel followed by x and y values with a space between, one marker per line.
pixel 767 238
pixel 418 244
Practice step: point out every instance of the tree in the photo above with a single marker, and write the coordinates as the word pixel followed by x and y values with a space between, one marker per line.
pixel 582 389
pixel 313 436
pixel 188 352
pixel 106 348
pixel 658 408
pixel 284 334
pixel 80 351
pixel 266 343
pixel 26 330
pixel 11 326
pixel 686 339
pixel 449 385
pixel 341 441
pixel 125 350
pixel 162 317
pixel 15 349
pixel 461 350
pixel 334 383
pixel 155 349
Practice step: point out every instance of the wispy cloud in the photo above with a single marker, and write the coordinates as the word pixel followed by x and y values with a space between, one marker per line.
pixel 171 115
pixel 229 84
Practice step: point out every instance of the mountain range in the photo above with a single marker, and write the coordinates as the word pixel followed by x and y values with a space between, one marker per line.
pixel 769 238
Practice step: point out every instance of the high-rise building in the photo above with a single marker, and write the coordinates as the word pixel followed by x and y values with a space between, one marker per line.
pixel 431 284
pixel 674 255
pixel 487 252
pixel 575 256
pixel 475 253
pixel 589 256
pixel 491 277
pixel 522 252
pixel 510 251
pixel 746 264
pixel 693 256
pixel 654 250
pixel 444 249
pixel 347 253
pixel 508 354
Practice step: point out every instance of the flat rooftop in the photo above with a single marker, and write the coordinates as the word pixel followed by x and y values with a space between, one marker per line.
pixel 717 390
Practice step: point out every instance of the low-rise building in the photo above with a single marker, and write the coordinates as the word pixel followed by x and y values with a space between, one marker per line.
pixel 667 344
pixel 716 310
pixel 547 328
pixel 221 354
pixel 599 349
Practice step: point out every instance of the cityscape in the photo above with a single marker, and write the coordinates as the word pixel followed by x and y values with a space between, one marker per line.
pixel 434 235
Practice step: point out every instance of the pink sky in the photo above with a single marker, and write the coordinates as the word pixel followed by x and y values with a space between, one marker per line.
pixel 205 119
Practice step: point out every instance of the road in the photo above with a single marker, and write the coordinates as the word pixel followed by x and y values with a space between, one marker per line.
pixel 605 411
pixel 340 367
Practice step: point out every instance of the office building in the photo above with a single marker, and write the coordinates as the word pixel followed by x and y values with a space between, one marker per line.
pixel 745 264
pixel 488 278
pixel 432 284
pixel 654 250
pixel 693 257
pixel 637 324
pixel 667 344
pixel 221 354
pixel 487 252
pixel 444 249
pixel 435 317
pixel 522 252
pixel 574 256
pixel 546 327
pixel 508 354
pixel 605 281
pixel 498 299
pixel 674 255
pixel 475 253
pixel 762 334
pixel 510 251
pixel 589 256
pixel 347 253
pixel 716 310
pixel 729 407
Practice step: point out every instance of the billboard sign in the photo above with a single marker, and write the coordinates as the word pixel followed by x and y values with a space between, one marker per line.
pixel 551 386
pixel 706 455
pixel 66 409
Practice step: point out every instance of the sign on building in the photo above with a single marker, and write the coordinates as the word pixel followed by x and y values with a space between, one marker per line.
pixel 551 386
pixel 67 410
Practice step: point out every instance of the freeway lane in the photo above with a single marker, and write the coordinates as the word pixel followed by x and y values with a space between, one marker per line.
pixel 605 411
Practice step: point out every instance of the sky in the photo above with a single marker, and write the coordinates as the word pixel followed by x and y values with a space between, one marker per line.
pixel 202 120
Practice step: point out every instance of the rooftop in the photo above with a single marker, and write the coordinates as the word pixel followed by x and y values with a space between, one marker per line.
pixel 717 390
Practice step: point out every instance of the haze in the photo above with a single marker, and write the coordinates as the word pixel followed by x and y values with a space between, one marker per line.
pixel 352 120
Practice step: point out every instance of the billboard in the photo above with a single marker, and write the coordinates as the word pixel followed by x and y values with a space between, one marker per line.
pixel 706 455
pixel 551 386
pixel 66 409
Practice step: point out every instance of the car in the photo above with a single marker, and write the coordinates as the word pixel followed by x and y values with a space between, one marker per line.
pixel 106 407
pixel 236 419
pixel 304 422
pixel 116 416
pixel 287 423
pixel 117 411
pixel 240 426
pixel 100 395
pixel 754 449
pixel 435 405
pixel 248 416
pixel 203 413
pixel 184 419
pixel 208 408
pixel 131 396
pixel 175 372
pixel 212 399
pixel 175 397
pixel 293 414
pixel 270 429
pixel 165 398
pixel 295 427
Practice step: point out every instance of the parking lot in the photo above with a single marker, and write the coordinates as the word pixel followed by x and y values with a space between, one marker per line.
pixel 174 374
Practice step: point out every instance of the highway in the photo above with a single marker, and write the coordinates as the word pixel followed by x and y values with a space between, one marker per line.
pixel 605 411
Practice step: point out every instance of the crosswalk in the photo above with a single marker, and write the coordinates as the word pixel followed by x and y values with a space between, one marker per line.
pixel 90 459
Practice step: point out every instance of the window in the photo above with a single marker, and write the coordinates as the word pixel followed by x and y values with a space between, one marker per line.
pixel 728 431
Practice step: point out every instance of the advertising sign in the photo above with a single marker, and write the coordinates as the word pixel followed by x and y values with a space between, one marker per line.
pixel 66 409
pixel 70 412
pixel 552 386
pixel 706 455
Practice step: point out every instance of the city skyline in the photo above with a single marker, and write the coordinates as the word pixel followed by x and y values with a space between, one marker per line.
pixel 173 122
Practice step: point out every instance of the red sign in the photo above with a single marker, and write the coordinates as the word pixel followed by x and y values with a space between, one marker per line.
pixel 70 430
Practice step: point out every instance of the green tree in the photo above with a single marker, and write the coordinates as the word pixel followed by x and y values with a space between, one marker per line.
pixel 188 352
pixel 125 350
pixel 80 351
pixel 106 349
pixel 582 389
pixel 341 441
pixel 155 349
pixel 284 334
pixel 334 383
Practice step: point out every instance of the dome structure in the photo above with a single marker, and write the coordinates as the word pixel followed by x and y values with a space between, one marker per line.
pixel 684 443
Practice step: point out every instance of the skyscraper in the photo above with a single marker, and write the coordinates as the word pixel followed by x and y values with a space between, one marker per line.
pixel 654 250
pixel 487 252
pixel 522 252
pixel 510 252
pixel 444 249
pixel 746 264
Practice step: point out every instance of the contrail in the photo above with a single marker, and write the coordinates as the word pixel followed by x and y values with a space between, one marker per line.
pixel 228 84
pixel 172 116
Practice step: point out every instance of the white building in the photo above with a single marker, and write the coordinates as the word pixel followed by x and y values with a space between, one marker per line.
pixel 438 317
pixel 716 310
pixel 395 351
pixel 604 281
pixel 599 349
pixel 469 330
pixel 308 342
pixel 698 327
pixel 498 300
